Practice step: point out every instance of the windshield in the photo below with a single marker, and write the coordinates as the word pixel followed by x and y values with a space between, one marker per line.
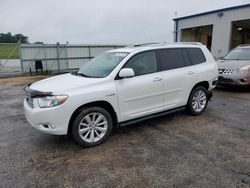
pixel 102 65
pixel 238 54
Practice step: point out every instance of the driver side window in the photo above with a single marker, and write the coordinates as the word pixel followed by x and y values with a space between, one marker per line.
pixel 143 63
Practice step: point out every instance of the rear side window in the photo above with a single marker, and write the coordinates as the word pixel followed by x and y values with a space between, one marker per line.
pixel 171 58
pixel 196 55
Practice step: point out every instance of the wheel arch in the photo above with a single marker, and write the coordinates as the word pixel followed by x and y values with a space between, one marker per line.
pixel 103 104
pixel 202 83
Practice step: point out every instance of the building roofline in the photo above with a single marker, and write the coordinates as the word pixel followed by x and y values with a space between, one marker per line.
pixel 213 11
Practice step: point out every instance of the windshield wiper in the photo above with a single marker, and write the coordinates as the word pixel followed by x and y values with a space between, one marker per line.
pixel 81 74
pixel 231 59
pixel 78 74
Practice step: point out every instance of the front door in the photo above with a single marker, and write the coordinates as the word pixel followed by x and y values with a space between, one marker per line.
pixel 142 94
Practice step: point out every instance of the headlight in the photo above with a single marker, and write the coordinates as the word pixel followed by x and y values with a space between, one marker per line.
pixel 245 69
pixel 50 101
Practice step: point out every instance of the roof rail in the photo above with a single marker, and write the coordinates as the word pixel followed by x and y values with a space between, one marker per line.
pixel 151 43
pixel 160 44
pixel 243 45
pixel 147 44
pixel 194 43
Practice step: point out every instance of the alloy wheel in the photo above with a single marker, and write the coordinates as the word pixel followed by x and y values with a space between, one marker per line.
pixel 93 127
pixel 199 100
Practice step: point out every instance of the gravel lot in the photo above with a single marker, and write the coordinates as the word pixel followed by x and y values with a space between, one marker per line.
pixel 178 150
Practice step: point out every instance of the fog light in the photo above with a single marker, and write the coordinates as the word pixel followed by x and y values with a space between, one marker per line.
pixel 243 80
pixel 48 126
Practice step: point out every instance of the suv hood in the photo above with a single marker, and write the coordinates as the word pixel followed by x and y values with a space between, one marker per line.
pixel 63 83
pixel 232 64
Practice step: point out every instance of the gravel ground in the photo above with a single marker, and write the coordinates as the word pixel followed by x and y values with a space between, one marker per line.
pixel 178 150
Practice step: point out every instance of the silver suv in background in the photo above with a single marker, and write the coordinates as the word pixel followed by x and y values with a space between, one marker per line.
pixel 234 68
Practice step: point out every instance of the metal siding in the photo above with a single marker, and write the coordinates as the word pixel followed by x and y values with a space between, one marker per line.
pixel 221 27
pixel 59 57
pixel 50 53
pixel 214 11
pixel 73 63
pixel 77 52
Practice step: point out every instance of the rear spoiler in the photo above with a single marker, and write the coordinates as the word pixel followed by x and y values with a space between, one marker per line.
pixel 35 93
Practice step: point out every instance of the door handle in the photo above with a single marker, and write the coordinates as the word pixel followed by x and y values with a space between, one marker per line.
pixel 157 79
pixel 191 73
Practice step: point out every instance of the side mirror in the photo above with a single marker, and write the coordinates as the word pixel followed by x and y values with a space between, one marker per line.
pixel 126 73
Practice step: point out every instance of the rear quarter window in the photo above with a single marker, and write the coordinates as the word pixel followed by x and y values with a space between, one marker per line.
pixel 196 55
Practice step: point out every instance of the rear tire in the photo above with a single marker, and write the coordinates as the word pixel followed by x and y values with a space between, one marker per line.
pixel 92 126
pixel 198 100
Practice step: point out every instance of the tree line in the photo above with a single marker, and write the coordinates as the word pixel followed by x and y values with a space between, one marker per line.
pixel 9 38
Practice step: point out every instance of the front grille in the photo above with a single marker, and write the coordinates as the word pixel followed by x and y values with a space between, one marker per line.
pixel 29 99
pixel 224 80
pixel 226 71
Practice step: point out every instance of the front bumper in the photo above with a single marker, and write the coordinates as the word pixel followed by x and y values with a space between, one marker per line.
pixel 52 120
pixel 222 80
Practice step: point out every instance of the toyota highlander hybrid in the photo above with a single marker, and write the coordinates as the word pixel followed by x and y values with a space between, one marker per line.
pixel 121 87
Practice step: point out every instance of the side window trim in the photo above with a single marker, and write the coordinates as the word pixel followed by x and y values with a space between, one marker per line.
pixel 184 50
pixel 156 60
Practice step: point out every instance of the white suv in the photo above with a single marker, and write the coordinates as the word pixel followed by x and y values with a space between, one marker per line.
pixel 121 87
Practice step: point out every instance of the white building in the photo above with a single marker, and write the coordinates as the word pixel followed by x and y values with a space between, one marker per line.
pixel 220 30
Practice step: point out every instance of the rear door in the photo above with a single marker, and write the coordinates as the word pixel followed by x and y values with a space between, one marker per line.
pixel 142 94
pixel 200 67
pixel 178 76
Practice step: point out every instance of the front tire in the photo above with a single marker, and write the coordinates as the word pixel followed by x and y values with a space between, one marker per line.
pixel 92 126
pixel 198 100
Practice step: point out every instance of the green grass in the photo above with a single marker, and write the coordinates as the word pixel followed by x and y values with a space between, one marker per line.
pixel 6 49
